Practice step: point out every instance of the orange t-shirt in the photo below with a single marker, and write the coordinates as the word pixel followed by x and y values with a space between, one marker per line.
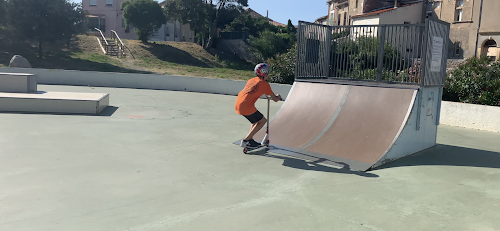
pixel 255 87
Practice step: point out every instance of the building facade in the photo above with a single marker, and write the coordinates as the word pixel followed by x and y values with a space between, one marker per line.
pixel 338 13
pixel 341 12
pixel 322 20
pixel 107 15
pixel 474 32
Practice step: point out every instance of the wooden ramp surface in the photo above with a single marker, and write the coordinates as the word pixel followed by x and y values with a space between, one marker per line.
pixel 352 126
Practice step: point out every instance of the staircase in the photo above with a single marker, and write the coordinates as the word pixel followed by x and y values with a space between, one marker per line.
pixel 113 46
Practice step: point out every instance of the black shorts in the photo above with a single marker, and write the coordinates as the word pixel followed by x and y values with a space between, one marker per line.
pixel 255 117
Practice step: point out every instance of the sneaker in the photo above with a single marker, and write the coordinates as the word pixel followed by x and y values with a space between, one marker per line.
pixel 254 143
pixel 244 143
pixel 249 143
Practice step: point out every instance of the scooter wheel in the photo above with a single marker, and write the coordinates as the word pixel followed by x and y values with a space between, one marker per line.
pixel 267 143
pixel 245 150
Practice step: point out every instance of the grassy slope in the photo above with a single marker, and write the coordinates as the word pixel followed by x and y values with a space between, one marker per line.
pixel 170 58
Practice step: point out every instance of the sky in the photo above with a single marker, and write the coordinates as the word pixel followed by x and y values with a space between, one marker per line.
pixel 282 10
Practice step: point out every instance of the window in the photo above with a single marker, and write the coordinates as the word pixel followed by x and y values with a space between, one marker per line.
pixel 102 24
pixel 123 23
pixel 167 32
pixel 109 2
pixel 338 20
pixel 460 3
pixel 406 23
pixel 93 2
pixel 345 18
pixel 457 48
pixel 190 34
pixel 357 4
pixel 458 16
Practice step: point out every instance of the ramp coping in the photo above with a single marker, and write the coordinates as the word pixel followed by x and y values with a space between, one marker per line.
pixel 361 83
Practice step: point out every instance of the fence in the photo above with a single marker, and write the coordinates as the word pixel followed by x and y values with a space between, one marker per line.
pixel 406 53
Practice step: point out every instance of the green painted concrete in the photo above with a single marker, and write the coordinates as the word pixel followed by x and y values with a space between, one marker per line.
pixel 161 160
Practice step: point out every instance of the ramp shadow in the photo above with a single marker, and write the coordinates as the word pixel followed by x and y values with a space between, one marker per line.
pixel 312 165
pixel 447 155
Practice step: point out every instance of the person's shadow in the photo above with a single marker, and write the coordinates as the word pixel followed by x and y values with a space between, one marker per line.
pixel 313 165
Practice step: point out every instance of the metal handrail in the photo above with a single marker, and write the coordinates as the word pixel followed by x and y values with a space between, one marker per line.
pixel 102 38
pixel 121 45
pixel 115 37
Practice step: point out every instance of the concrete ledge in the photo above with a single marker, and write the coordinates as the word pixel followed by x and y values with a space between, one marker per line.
pixel 54 102
pixel 17 82
pixel 142 81
pixel 473 116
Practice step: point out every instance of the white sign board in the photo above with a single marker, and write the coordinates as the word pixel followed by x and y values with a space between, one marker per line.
pixel 437 54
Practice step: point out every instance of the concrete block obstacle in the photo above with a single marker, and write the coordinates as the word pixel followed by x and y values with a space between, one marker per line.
pixel 54 102
pixel 17 82
pixel 18 93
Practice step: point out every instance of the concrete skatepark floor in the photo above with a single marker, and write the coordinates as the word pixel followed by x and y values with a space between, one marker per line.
pixel 164 160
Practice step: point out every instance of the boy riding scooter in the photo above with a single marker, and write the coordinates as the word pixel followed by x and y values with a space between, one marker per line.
pixel 245 103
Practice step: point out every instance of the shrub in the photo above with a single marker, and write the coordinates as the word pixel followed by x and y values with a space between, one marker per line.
pixel 358 58
pixel 267 44
pixel 412 74
pixel 477 81
pixel 283 67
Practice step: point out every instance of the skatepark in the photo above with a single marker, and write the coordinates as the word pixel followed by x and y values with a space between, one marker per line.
pixel 128 158
pixel 161 160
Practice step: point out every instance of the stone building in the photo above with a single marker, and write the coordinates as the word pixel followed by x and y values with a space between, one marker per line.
pixel 341 12
pixel 106 15
pixel 474 32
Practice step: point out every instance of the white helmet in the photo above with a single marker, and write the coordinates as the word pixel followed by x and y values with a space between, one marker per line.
pixel 261 69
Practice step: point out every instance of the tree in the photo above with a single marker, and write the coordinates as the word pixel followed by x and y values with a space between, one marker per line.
pixel 2 12
pixel 290 28
pixel 207 16
pixel 229 14
pixel 194 12
pixel 146 16
pixel 220 6
pixel 267 45
pixel 250 24
pixel 45 21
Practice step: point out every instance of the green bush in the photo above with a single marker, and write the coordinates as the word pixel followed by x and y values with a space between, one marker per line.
pixel 283 67
pixel 2 11
pixel 267 45
pixel 477 81
pixel 359 59
pixel 367 74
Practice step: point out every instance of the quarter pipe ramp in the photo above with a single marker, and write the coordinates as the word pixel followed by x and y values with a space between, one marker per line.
pixel 354 126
